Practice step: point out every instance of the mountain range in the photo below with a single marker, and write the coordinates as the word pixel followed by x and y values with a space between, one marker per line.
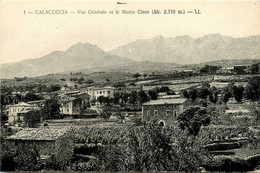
pixel 156 53
pixel 187 50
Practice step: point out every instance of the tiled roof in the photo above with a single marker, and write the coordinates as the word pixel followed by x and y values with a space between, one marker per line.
pixel 166 101
pixel 23 104
pixel 44 133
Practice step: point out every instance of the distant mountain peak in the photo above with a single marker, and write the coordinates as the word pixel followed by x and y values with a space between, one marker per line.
pixel 78 56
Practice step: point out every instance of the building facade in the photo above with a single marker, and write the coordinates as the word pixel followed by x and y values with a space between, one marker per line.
pixel 95 92
pixel 165 110
pixel 50 143
pixel 16 112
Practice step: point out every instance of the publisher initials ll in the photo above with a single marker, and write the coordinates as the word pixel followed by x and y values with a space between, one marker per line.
pixel 197 11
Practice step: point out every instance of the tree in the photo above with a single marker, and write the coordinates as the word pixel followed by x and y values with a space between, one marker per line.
pixel 238 92
pixel 142 96
pixel 192 93
pixel 227 92
pixel 252 90
pixel 32 118
pixel 185 93
pixel 203 92
pixel 153 94
pixel 136 75
pixel 116 97
pixel 124 96
pixel 27 160
pixel 132 99
pixel 101 99
pixel 203 103
pixel 213 94
pixel 51 109
pixel 4 116
pixel 119 84
pixel 255 68
pixel 192 119
pixel 149 148
pixel 31 97
pixel 106 112
pixel 162 89
pixel 89 81
pixel 54 88
pixel 81 80
pixel 138 149
pixel 17 98
pixel 108 100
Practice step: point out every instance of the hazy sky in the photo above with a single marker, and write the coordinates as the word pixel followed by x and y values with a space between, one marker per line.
pixel 35 35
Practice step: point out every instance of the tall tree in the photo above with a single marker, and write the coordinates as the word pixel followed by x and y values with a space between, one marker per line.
pixel 193 93
pixel 227 92
pixel 132 99
pixel 143 97
pixel 153 94
pixel 238 93
pixel 203 92
pixel 252 90
pixel 51 109
pixel 32 118
pixel 213 94
pixel 192 119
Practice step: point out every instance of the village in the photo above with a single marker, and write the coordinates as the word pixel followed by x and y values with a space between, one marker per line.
pixel 66 125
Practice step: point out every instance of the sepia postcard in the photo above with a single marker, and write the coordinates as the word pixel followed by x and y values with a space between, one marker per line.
pixel 130 86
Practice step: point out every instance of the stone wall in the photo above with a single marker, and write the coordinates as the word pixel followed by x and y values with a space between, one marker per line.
pixel 43 147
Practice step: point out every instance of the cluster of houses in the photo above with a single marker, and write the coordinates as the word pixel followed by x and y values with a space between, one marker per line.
pixel 236 69
pixel 78 102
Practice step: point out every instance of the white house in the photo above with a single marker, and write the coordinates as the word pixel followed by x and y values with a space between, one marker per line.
pixel 16 112
pixel 102 91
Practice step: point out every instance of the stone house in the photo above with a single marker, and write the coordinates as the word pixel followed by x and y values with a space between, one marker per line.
pixel 164 110
pixel 74 104
pixel 50 143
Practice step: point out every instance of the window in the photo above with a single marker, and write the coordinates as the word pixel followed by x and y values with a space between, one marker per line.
pixel 108 92
pixel 174 113
pixel 148 113
pixel 156 112
pixel 161 123
pixel 167 113
pixel 104 92
pixel 100 92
